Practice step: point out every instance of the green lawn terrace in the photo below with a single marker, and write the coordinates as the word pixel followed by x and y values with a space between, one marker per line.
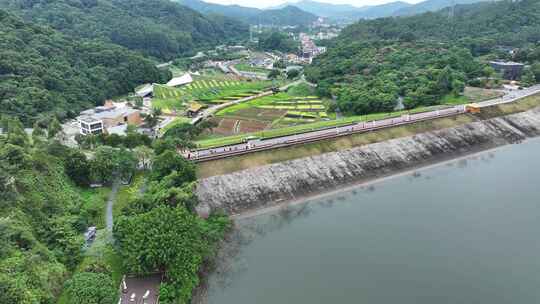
pixel 205 90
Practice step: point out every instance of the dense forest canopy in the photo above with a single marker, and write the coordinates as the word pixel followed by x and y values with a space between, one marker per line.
pixel 158 28
pixel 277 41
pixel 42 219
pixel 43 72
pixel 421 59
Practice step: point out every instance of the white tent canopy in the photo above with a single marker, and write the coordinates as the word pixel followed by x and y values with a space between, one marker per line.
pixel 182 80
pixel 147 89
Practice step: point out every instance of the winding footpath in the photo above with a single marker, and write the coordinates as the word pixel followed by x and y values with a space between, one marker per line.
pixel 110 204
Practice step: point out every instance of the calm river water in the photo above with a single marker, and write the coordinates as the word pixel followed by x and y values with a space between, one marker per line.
pixel 462 232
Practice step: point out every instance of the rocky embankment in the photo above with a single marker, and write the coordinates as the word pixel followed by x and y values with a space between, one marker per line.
pixel 266 186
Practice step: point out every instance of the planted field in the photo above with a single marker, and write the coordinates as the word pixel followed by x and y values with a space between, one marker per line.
pixel 207 90
pixel 275 108
pixel 231 126
pixel 301 128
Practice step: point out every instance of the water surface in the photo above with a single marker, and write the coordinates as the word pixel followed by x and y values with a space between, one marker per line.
pixel 463 232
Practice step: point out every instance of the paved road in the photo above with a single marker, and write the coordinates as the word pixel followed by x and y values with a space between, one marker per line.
pixel 316 135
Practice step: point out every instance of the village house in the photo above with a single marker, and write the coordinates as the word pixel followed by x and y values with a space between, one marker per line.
pixel 509 70
pixel 108 117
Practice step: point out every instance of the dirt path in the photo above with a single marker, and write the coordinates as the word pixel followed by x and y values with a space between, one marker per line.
pixel 110 203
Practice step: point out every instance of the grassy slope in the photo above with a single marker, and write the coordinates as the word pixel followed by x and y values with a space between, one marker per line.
pixel 238 163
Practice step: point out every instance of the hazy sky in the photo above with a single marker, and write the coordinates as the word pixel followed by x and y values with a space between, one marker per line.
pixel 267 3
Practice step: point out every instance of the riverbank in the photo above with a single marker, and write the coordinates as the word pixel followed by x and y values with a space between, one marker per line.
pixel 273 185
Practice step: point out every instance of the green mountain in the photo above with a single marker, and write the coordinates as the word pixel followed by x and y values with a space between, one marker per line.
pixel 286 15
pixel 43 72
pixel 489 23
pixel 234 11
pixel 157 28
pixel 344 12
pixel 425 59
pixel 324 9
pixel 432 6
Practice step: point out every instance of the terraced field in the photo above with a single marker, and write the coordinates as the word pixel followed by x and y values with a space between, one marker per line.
pixel 268 113
pixel 296 108
pixel 206 90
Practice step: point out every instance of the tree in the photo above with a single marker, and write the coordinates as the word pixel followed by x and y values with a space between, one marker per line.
pixel 293 73
pixel 528 79
pixel 279 64
pixel 37 131
pixel 144 154
pixel 78 168
pixel 535 68
pixel 274 74
pixel 103 165
pixel 54 128
pixel 165 238
pixel 169 161
pixel 126 163
pixel 91 288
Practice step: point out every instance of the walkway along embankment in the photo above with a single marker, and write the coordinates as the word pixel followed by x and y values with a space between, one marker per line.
pixel 266 186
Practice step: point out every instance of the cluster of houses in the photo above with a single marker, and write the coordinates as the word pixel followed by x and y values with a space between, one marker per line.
pixel 111 118
pixel 114 117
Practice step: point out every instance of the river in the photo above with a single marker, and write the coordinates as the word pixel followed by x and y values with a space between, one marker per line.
pixel 462 232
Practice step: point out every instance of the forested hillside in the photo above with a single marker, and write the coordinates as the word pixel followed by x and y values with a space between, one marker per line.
pixel 44 73
pixel 431 6
pixel 158 28
pixel 286 15
pixel 483 24
pixel 42 219
pixel 234 11
pixel 426 58
pixel 289 15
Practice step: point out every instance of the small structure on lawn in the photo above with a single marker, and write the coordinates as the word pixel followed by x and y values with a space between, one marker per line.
pixel 180 81
pixel 194 108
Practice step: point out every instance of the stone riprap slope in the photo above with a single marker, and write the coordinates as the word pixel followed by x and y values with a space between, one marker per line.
pixel 266 186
